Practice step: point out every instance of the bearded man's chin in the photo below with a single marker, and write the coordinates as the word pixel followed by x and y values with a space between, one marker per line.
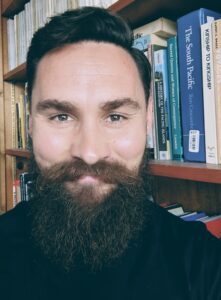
pixel 93 225
pixel 90 193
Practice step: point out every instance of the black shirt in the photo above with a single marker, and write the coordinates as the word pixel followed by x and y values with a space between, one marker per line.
pixel 173 259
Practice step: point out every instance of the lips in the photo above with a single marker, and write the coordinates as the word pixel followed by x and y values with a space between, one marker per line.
pixel 87 179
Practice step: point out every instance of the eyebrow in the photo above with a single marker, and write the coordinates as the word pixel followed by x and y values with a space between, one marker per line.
pixel 67 107
pixel 112 105
pixel 64 106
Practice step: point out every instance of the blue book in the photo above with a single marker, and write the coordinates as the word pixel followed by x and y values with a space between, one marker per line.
pixel 174 99
pixel 193 216
pixel 191 88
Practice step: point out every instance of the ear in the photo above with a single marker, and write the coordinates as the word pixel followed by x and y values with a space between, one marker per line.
pixel 30 125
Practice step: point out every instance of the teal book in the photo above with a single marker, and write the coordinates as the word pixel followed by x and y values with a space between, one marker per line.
pixel 174 100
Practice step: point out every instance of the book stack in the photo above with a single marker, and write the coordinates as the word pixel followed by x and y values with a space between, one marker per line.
pixel 152 39
pixel 213 223
pixel 186 87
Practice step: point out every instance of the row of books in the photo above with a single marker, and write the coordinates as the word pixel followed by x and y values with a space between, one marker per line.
pixel 35 14
pixel 213 223
pixel 185 101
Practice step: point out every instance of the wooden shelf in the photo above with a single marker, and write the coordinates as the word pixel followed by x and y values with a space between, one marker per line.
pixel 18 153
pixel 11 7
pixel 120 5
pixel 139 12
pixel 17 74
pixel 136 12
pixel 190 171
pixel 172 169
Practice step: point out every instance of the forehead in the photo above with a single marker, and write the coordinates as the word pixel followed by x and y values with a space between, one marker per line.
pixel 92 57
pixel 85 66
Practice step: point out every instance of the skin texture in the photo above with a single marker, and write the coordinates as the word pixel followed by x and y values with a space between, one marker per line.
pixel 88 103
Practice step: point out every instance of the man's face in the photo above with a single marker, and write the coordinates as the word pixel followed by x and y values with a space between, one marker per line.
pixel 88 103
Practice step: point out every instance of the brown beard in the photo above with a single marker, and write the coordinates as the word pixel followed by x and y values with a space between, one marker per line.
pixel 72 228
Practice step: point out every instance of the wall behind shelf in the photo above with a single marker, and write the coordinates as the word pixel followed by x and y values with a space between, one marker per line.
pixel 193 195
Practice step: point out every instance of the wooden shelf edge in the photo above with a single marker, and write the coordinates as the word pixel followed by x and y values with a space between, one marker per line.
pixel 18 153
pixel 172 169
pixel 188 171
pixel 119 5
pixel 17 74
pixel 11 7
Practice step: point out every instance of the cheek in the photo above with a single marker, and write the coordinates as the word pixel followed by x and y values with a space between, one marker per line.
pixel 49 148
pixel 130 147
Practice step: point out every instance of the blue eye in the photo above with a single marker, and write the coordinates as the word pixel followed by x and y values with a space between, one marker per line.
pixel 61 118
pixel 116 118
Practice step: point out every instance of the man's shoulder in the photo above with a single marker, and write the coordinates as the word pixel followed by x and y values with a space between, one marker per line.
pixel 14 221
pixel 185 233
pixel 186 253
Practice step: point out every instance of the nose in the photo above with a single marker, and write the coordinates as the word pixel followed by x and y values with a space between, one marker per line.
pixel 91 144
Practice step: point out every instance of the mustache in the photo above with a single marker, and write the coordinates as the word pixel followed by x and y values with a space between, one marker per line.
pixel 107 172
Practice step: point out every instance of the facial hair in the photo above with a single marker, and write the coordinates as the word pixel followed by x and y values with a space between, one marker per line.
pixel 80 226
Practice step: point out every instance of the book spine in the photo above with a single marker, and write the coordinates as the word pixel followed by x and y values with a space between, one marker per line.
pixel 13 118
pixel 216 29
pixel 16 192
pixel 209 94
pixel 191 87
pixel 26 183
pixel 166 100
pixel 19 135
pixel 150 52
pixel 160 120
pixel 174 100
pixel 150 141
pixel 151 136
pixel 161 104
pixel 27 114
pixel 22 118
pixel 11 44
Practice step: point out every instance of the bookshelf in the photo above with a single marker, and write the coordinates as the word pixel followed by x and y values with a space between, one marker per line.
pixel 16 75
pixel 196 186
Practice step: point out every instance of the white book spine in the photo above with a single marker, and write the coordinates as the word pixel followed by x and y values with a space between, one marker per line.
pixel 19 38
pixel 65 5
pixel 27 13
pixel 16 39
pixel 209 94
pixel 11 44
pixel 24 32
pixel 216 30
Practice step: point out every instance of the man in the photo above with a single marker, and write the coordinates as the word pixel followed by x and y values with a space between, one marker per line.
pixel 89 231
